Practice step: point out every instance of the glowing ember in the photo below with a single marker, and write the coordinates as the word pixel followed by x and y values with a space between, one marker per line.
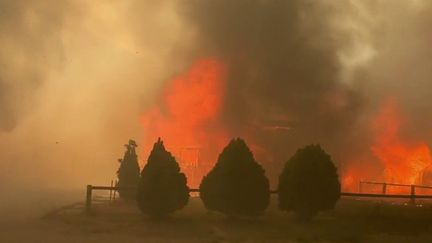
pixel 403 160
pixel 187 118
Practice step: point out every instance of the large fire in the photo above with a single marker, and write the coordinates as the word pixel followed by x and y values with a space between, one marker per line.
pixel 404 160
pixel 187 118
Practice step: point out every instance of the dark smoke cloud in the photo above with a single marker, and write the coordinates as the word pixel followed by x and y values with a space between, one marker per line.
pixel 284 70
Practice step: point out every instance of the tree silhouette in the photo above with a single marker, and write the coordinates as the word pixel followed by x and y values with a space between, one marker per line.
pixel 237 185
pixel 128 173
pixel 162 188
pixel 309 183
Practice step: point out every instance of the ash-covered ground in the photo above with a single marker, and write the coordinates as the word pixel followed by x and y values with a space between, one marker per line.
pixel 57 217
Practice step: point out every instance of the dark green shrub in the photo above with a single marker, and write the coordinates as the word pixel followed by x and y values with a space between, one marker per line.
pixel 128 173
pixel 309 183
pixel 162 188
pixel 237 185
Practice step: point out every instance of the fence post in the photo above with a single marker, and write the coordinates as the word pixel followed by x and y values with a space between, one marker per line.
pixel 111 190
pixel 88 198
pixel 413 194
pixel 360 186
pixel 384 188
pixel 115 190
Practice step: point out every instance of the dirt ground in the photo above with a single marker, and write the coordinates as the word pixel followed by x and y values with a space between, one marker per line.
pixel 352 221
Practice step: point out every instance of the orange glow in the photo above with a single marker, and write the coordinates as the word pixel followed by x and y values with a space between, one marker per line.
pixel 187 118
pixel 404 160
pixel 356 171
pixel 348 182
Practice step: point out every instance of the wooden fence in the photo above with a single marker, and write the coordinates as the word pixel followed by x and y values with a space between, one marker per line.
pixel 385 185
pixel 412 196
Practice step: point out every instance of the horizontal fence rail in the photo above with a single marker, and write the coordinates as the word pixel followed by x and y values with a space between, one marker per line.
pixel 394 184
pixel 385 185
pixel 411 196
pixel 349 194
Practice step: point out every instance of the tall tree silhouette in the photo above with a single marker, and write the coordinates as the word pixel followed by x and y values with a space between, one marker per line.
pixel 129 172
pixel 309 183
pixel 237 185
pixel 162 188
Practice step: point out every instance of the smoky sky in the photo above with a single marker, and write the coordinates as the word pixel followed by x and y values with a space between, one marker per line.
pixel 30 47
pixel 402 66
pixel 75 76
pixel 283 68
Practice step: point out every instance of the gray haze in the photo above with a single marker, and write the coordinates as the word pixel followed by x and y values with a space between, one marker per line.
pixel 76 76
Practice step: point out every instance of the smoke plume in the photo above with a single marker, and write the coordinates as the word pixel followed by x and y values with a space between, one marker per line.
pixel 76 76
pixel 284 86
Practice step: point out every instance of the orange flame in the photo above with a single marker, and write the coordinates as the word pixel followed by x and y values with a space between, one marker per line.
pixel 404 161
pixel 187 118
pixel 355 171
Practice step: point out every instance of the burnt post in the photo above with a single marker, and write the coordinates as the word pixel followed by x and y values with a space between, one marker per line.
pixel 413 194
pixel 360 186
pixel 88 198
pixel 384 188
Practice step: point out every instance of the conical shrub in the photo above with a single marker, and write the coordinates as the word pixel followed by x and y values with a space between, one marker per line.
pixel 162 188
pixel 237 185
pixel 309 183
pixel 128 173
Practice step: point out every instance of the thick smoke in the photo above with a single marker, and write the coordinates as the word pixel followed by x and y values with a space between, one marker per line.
pixel 74 79
pixel 402 65
pixel 75 76
pixel 318 71
pixel 284 82
pixel 30 47
pixel 396 64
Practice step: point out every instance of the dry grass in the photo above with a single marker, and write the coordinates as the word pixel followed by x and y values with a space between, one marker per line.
pixel 352 221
